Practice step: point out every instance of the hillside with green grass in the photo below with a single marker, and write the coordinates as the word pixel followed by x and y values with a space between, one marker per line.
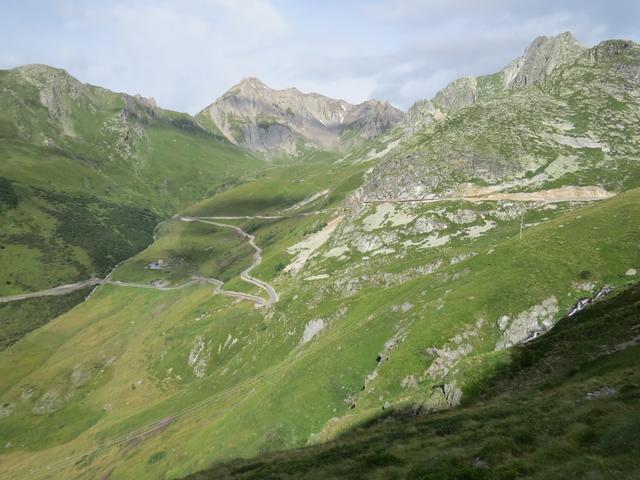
pixel 146 382
pixel 86 174
pixel 566 405
pixel 417 302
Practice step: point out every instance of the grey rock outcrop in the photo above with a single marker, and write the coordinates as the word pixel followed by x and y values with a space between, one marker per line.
pixel 528 324
pixel 611 52
pixel 540 58
pixel 458 94
pixel 260 118
pixel 56 89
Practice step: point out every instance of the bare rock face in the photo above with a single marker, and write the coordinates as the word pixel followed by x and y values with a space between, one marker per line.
pixel 423 112
pixel 458 94
pixel 255 116
pixel 541 57
pixel 528 324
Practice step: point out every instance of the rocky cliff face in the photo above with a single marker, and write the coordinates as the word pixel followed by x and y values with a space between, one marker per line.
pixel 539 60
pixel 260 118
pixel 560 115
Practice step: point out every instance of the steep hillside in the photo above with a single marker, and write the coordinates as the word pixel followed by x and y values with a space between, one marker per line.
pixel 577 126
pixel 566 405
pixel 86 174
pixel 288 121
pixel 143 382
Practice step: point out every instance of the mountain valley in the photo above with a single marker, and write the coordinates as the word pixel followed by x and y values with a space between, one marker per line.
pixel 291 286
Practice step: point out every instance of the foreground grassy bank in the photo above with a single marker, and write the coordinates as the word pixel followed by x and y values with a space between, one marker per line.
pixel 567 405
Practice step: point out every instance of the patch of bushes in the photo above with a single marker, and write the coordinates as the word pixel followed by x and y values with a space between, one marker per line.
pixel 8 197
pixel 108 232
pixel 156 457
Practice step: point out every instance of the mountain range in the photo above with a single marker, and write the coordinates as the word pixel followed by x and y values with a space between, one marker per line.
pixel 286 285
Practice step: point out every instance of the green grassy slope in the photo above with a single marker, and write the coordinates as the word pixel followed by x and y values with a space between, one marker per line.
pixel 209 378
pixel 86 174
pixel 566 405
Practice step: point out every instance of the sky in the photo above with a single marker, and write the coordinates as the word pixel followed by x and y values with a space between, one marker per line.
pixel 187 53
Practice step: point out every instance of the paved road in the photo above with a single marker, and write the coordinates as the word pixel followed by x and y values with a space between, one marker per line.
pixel 245 275
pixel 257 256
pixel 72 287
pixel 50 292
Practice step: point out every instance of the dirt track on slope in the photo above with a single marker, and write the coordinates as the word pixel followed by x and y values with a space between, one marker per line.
pixel 482 194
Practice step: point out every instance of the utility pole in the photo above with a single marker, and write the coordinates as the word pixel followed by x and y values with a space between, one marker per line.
pixel 522 222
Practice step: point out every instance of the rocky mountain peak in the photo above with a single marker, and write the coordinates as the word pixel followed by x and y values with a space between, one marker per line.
pixel 264 119
pixel 541 57
pixel 248 85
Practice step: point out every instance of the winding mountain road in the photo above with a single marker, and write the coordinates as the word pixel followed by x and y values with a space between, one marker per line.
pixel 563 194
pixel 257 257
pixel 50 292
pixel 245 276
pixel 72 287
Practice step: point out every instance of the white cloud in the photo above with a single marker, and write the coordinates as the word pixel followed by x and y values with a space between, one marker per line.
pixel 258 15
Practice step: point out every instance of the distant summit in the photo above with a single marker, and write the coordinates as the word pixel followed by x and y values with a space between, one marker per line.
pixel 257 117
